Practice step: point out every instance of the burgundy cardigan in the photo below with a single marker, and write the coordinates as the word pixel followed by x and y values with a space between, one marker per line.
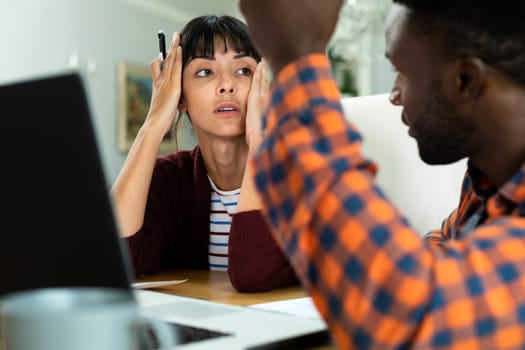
pixel 176 230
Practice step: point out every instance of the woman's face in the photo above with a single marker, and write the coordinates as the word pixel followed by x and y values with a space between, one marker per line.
pixel 215 91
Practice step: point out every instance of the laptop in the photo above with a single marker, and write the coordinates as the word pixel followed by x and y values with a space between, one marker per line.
pixel 59 229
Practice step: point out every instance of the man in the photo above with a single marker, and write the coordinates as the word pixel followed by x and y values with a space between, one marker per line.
pixel 461 80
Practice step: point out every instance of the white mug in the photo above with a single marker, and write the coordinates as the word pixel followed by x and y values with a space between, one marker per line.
pixel 77 318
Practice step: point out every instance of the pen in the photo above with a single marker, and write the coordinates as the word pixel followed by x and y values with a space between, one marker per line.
pixel 162 45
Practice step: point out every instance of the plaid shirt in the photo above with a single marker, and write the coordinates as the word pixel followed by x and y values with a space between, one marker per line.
pixel 377 284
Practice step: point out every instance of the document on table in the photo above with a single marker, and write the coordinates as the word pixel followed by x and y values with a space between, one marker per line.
pixel 300 307
pixel 157 284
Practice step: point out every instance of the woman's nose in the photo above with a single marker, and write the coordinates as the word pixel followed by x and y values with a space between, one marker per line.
pixel 226 85
pixel 222 90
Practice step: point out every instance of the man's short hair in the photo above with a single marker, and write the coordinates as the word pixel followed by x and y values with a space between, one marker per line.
pixel 494 31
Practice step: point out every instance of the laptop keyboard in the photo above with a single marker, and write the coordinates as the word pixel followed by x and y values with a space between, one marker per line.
pixel 184 334
pixel 187 334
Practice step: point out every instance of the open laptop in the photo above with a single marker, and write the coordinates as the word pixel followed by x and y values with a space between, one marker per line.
pixel 58 227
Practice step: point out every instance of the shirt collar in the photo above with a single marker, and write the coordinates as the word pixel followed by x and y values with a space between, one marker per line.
pixel 513 190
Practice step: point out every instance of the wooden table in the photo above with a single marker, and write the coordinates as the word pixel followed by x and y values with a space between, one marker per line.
pixel 216 286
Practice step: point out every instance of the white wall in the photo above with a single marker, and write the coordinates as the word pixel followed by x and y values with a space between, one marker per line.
pixel 42 37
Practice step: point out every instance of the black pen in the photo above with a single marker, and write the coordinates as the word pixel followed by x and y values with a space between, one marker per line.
pixel 162 46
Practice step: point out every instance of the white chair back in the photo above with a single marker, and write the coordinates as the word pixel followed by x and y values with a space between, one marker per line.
pixel 425 194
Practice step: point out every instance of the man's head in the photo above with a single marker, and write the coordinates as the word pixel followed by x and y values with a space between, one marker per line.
pixel 451 56
pixel 494 31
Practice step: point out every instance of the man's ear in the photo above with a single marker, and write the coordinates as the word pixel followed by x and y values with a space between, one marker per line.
pixel 470 78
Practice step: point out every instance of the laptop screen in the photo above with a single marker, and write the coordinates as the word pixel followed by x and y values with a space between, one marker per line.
pixel 58 227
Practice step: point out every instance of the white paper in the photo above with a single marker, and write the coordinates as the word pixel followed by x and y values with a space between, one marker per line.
pixel 301 307
pixel 155 284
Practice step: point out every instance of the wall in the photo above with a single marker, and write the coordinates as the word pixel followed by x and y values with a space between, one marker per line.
pixel 45 37
pixel 39 38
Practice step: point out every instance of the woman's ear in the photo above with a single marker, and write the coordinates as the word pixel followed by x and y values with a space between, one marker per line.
pixel 182 105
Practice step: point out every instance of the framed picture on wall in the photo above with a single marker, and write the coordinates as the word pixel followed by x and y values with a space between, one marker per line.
pixel 134 88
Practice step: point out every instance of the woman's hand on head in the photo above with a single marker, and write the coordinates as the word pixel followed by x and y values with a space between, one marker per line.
pixel 167 86
pixel 259 91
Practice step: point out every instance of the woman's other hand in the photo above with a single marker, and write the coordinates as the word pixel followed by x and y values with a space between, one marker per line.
pixel 257 96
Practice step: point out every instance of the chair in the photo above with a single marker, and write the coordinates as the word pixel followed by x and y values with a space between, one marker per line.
pixel 425 194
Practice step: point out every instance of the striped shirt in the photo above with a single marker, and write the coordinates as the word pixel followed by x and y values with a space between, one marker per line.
pixel 223 206
pixel 377 284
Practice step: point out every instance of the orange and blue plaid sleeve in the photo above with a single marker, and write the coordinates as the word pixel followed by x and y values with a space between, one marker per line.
pixel 374 280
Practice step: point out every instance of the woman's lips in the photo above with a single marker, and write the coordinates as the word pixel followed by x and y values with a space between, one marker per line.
pixel 227 109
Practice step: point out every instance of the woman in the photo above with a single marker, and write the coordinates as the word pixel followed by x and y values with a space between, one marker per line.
pixel 199 208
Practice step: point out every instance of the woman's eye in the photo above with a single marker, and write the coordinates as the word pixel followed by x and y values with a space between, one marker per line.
pixel 203 72
pixel 245 71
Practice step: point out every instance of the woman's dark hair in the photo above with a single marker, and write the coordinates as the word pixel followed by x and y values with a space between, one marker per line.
pixel 198 37
pixel 494 31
